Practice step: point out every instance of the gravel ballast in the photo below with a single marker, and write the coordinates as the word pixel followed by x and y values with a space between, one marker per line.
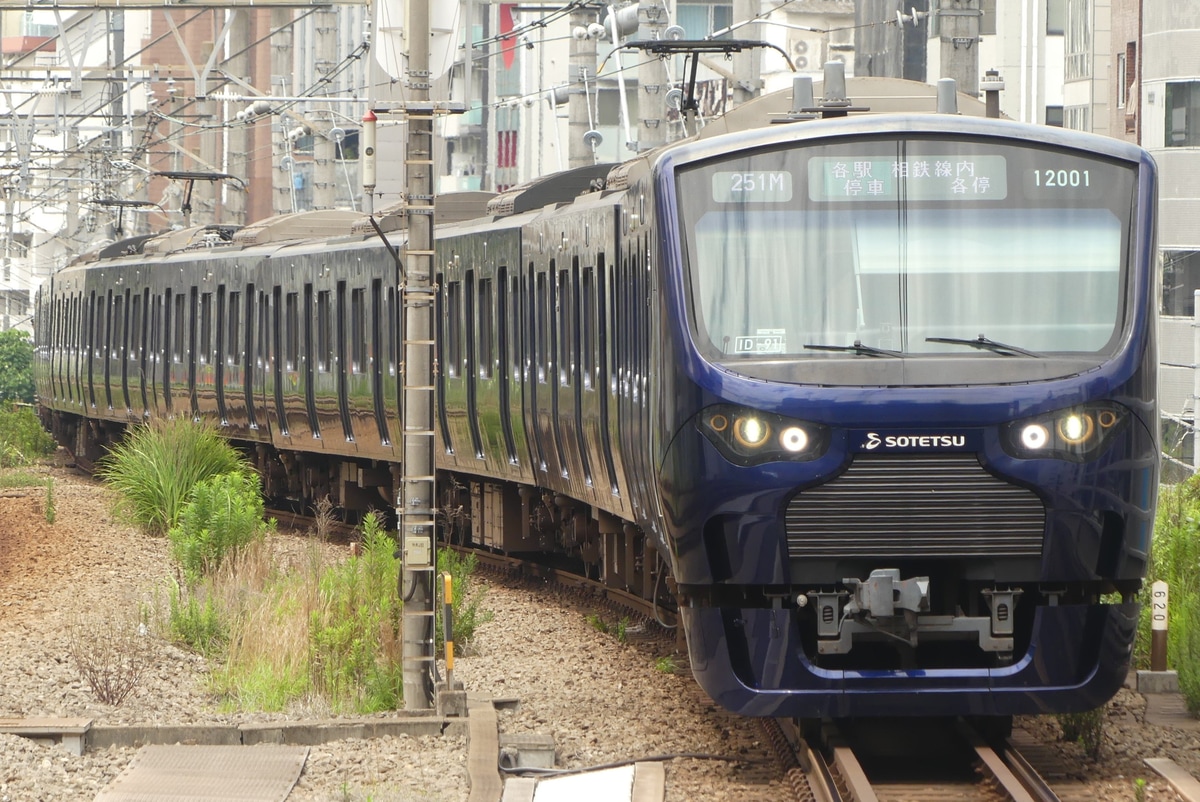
pixel 601 700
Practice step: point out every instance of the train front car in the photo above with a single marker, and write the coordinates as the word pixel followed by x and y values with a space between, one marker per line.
pixel 910 367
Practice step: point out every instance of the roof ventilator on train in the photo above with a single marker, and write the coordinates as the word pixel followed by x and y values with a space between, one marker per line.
pixel 888 606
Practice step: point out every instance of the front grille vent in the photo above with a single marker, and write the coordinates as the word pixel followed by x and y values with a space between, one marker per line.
pixel 915 506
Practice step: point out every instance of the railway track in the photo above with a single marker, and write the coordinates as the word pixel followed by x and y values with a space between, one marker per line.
pixel 918 760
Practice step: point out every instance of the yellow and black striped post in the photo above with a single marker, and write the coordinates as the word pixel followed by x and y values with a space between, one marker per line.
pixel 448 625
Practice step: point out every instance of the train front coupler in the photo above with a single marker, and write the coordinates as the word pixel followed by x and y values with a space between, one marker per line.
pixel 884 606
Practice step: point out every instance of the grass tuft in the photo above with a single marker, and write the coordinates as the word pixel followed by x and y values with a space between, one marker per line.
pixel 156 466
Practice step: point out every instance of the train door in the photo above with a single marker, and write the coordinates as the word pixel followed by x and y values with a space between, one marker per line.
pixel 308 366
pixel 443 418
pixel 107 346
pixel 604 373
pixel 576 322
pixel 199 343
pixel 470 372
pixel 538 382
pixel 277 360
pixel 141 328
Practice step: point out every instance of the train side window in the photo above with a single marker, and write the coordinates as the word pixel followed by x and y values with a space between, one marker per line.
pixel 453 327
pixel 205 327
pixel 541 312
pixel 291 354
pixel 324 333
pixel 116 328
pixel 358 330
pixel 487 323
pixel 587 325
pixel 99 320
pixel 470 320
pixel 392 343
pixel 566 328
pixel 135 325
pixel 516 347
pixel 233 344
pixel 177 338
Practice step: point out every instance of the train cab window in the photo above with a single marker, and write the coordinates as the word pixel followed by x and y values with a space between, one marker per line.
pixel 205 348
pixel 358 331
pixel 291 355
pixel 453 327
pixel 324 333
pixel 233 344
pixel 487 324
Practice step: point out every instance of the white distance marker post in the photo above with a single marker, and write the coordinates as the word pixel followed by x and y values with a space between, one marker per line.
pixel 1158 626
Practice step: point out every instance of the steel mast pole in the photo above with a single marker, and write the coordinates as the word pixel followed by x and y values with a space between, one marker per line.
pixel 417 510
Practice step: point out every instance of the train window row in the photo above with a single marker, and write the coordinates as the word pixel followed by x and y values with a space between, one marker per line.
pixel 111 346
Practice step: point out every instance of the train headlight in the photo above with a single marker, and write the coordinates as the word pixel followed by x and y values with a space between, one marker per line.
pixel 748 437
pixel 793 439
pixel 1035 437
pixel 1077 434
pixel 751 432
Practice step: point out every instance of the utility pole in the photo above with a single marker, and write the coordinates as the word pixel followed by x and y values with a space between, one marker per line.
pixel 959 39
pixel 747 82
pixel 282 176
pixel 237 137
pixel 324 148
pixel 418 500
pixel 116 122
pixel 652 78
pixel 583 83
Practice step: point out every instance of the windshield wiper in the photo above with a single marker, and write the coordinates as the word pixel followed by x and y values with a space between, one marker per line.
pixel 857 348
pixel 985 344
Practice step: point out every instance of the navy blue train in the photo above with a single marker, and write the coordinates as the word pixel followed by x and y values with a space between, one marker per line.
pixel 869 401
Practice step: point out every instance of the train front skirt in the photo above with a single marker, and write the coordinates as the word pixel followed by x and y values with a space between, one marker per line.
pixel 752 661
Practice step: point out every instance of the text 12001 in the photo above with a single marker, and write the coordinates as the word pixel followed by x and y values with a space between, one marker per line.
pixel 1062 178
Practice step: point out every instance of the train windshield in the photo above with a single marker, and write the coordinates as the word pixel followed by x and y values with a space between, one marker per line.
pixel 920 248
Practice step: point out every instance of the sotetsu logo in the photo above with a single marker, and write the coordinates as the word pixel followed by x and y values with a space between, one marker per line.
pixel 874 441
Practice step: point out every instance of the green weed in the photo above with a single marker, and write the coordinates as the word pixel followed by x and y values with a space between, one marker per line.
pixel 22 438
pixel 156 466
pixel 222 516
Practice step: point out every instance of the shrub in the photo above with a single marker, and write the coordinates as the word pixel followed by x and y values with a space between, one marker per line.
pixel 354 632
pixel 1175 559
pixel 16 366
pixel 22 438
pixel 467 607
pixel 154 468
pixel 196 620
pixel 222 516
pixel 1086 729
pixel 111 652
